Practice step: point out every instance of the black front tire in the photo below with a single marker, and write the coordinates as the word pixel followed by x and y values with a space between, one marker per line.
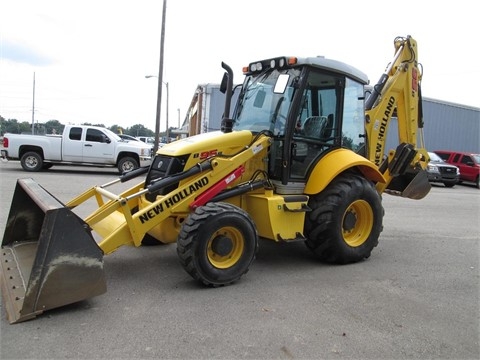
pixel 346 220
pixel 127 164
pixel 31 161
pixel 217 244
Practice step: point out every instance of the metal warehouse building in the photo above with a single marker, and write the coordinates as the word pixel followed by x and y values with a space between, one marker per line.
pixel 451 126
pixel 447 126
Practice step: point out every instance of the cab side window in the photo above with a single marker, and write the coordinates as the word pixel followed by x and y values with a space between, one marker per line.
pixel 75 133
pixel 353 117
pixel 95 136
pixel 466 160
pixel 317 124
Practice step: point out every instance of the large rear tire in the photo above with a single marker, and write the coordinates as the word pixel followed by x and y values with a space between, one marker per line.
pixel 217 244
pixel 31 161
pixel 346 220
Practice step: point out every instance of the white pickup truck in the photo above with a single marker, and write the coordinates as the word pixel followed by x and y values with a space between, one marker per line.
pixel 79 145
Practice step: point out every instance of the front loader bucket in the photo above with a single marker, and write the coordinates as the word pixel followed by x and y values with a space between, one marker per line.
pixel 49 257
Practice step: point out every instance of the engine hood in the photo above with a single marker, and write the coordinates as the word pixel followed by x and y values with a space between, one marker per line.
pixel 207 144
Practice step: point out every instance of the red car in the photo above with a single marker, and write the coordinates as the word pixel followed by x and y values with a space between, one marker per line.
pixel 468 163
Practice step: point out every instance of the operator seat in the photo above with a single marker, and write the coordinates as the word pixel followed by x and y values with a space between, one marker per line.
pixel 313 126
pixel 327 130
pixel 319 127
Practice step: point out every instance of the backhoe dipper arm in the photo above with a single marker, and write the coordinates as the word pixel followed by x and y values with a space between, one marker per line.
pixel 397 93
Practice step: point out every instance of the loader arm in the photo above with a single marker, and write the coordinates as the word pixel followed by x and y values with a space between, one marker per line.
pixel 118 224
pixel 398 93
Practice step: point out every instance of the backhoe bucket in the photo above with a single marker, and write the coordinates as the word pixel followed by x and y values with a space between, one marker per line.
pixel 49 257
pixel 411 185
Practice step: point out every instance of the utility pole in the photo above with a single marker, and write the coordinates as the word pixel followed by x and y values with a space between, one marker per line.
pixel 168 131
pixel 33 106
pixel 160 81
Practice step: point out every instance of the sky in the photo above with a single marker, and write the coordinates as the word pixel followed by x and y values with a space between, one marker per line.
pixel 90 58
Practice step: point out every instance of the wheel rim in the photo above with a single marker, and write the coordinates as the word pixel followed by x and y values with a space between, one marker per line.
pixel 225 247
pixel 357 223
pixel 127 166
pixel 31 162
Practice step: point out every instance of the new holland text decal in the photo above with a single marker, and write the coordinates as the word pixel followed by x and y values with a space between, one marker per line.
pixel 383 128
pixel 171 200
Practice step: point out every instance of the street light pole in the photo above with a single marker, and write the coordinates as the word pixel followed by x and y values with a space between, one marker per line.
pixel 33 106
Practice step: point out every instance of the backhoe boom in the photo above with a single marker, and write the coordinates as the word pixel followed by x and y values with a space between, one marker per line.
pixel 397 94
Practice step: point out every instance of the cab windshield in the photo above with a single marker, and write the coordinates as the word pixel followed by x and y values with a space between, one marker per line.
pixel 265 101
pixel 435 158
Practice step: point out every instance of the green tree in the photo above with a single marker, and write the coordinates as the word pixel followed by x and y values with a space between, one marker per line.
pixel 25 127
pixel 117 129
pixel 3 123
pixel 54 127
pixel 10 126
pixel 14 127
pixel 138 130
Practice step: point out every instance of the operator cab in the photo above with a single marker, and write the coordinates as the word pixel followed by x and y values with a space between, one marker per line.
pixel 308 106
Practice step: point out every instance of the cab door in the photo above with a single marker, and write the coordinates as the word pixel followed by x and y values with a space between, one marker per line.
pixel 98 148
pixel 72 146
pixel 468 169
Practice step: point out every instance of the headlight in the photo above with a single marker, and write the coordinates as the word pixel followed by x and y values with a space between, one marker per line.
pixel 146 152
pixel 432 168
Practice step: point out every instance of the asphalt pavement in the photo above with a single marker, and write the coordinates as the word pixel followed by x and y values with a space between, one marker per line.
pixel 416 297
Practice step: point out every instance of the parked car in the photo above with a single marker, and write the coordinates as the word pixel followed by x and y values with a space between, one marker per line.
pixel 468 163
pixel 146 139
pixel 439 171
pixel 151 141
pixel 128 137
pixel 78 145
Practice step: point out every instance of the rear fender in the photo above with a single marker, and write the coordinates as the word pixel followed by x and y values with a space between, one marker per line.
pixel 336 162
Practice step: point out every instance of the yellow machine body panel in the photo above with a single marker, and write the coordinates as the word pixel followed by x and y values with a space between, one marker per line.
pixel 336 162
pixel 277 217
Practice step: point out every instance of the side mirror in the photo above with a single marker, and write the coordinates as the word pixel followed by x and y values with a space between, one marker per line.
pixel 223 84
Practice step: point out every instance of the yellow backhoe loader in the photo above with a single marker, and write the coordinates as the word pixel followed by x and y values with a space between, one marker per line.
pixel 302 158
